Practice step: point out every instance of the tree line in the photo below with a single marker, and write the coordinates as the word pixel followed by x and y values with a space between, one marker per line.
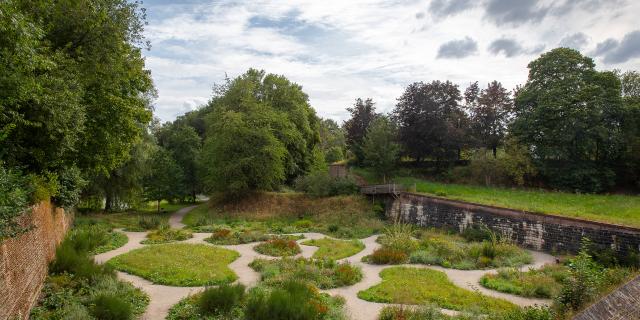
pixel 568 127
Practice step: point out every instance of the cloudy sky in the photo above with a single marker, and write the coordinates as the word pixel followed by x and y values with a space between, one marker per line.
pixel 341 50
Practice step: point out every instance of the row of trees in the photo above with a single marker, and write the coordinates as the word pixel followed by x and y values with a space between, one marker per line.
pixel 74 94
pixel 573 125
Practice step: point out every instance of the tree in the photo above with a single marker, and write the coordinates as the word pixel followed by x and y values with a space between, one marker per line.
pixel 630 172
pixel 431 122
pixel 163 179
pixel 261 132
pixel 380 147
pixel 332 140
pixel 362 114
pixel 570 115
pixel 489 115
pixel 184 144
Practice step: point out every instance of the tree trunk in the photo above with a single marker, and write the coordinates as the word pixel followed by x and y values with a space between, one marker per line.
pixel 158 206
pixel 495 152
pixel 108 203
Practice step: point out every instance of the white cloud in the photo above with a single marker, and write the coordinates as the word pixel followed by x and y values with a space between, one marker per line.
pixel 341 50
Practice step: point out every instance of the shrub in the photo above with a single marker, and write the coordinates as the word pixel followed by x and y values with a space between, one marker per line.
pixel 324 274
pixel 401 312
pixel 399 237
pixel 71 183
pixel 69 259
pixel 220 300
pixel 278 247
pixel 387 256
pixel 320 184
pixel 293 301
pixel 526 313
pixel 538 283
pixel 149 222
pixel 478 232
pixel 583 283
pixel 14 201
pixel 165 234
pixel 110 307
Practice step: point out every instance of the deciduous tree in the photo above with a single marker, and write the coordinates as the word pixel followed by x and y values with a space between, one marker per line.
pixel 363 113
pixel 380 147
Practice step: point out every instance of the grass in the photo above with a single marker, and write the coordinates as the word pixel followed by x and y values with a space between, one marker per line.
pixel 115 240
pixel 324 274
pixel 541 283
pixel 229 236
pixel 616 209
pixel 335 249
pixel 278 247
pixel 179 264
pixel 130 220
pixel 425 286
pixel 345 217
pixel 166 235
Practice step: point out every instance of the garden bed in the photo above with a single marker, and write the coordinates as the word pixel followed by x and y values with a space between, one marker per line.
pixel 334 249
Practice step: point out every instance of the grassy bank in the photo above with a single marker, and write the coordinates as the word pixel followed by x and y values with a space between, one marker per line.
pixel 617 209
pixel 141 219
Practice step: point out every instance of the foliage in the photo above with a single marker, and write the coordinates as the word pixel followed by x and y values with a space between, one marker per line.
pixel 221 299
pixel 379 148
pixel 545 282
pixel 320 184
pixel 431 121
pixel 569 115
pixel 165 235
pixel 148 222
pixel 419 286
pixel 334 249
pixel 165 176
pixel 271 117
pixel 184 145
pixel 332 141
pixel 386 256
pixel 324 274
pixel 399 237
pixel 228 237
pixel 70 182
pixel 14 200
pixel 178 264
pixel 427 312
pixel 490 111
pixel 362 115
pixel 526 313
pixel 111 307
pixel 278 247
pixel 96 238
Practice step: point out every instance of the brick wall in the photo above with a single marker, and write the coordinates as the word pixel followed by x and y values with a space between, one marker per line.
pixel 24 259
pixel 532 230
pixel 621 304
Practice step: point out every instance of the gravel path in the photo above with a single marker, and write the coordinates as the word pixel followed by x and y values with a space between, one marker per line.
pixel 163 297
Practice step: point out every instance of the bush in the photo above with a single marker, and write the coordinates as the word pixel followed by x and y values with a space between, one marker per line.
pixel 110 307
pixel 399 237
pixel 427 312
pixel 387 256
pixel 478 232
pixel 14 201
pixel 324 274
pixel 71 183
pixel 71 260
pixel 293 301
pixel 583 283
pixel 320 184
pixel 526 313
pixel 149 222
pixel 221 299
pixel 278 247
pixel 166 234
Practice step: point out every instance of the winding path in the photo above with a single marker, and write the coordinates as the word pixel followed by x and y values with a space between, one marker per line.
pixel 162 297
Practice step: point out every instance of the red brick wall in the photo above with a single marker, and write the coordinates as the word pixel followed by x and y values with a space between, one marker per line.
pixel 24 259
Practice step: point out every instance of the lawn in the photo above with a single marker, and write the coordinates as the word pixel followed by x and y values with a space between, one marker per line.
pixel 424 286
pixel 335 249
pixel 179 264
pixel 617 209
pixel 541 283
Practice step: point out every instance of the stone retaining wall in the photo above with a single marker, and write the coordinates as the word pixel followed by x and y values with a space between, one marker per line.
pixel 24 259
pixel 622 304
pixel 532 230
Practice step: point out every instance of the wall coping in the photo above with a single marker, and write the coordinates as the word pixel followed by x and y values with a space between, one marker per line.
pixel 519 213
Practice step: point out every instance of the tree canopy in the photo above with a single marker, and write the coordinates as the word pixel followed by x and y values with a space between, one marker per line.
pixel 363 113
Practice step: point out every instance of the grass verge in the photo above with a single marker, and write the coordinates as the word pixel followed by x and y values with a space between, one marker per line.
pixel 179 264
pixel 334 249
pixel 421 286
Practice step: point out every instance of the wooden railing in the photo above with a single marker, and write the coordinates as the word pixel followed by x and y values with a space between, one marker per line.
pixel 393 189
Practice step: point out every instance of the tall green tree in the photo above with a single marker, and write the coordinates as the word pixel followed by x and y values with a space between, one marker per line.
pixel 630 171
pixel 163 179
pixel 380 146
pixel 489 115
pixel 363 113
pixel 261 133
pixel 431 121
pixel 332 140
pixel 184 144
pixel 570 116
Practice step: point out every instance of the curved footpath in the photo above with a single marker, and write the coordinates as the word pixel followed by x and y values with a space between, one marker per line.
pixel 162 297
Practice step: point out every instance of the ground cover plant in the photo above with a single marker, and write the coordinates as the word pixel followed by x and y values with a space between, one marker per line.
pixel 613 208
pixel 166 235
pixel 278 247
pixel 145 218
pixel 344 217
pixel 78 288
pixel 545 282
pixel 334 249
pixel 240 234
pixel 420 286
pixel 324 274
pixel 291 300
pixel 179 264
pixel 98 238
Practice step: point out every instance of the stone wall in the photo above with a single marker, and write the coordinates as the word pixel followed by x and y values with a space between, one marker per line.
pixel 532 230
pixel 24 259
pixel 621 304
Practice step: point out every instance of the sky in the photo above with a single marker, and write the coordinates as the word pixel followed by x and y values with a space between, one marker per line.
pixel 342 50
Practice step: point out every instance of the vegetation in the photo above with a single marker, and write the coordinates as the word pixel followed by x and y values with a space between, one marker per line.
pixel 166 234
pixel 77 288
pixel 332 141
pixel 179 264
pixel 320 184
pixel 145 218
pixel 14 200
pixel 334 249
pixel 278 247
pixel 363 113
pixel 344 217
pixel 545 282
pixel 163 181
pixel 380 149
pixel 324 274
pixel 292 300
pixel 420 286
